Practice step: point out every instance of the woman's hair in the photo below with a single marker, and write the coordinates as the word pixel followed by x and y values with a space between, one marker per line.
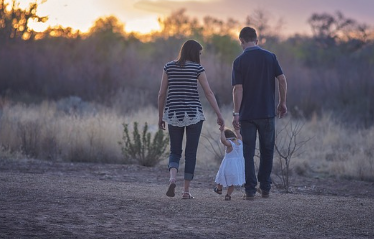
pixel 190 51
pixel 229 133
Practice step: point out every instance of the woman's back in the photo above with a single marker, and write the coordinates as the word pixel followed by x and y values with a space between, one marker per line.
pixel 183 106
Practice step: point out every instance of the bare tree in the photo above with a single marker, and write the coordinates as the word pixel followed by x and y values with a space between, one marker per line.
pixel 213 145
pixel 286 146
pixel 330 29
pixel 260 19
pixel 180 25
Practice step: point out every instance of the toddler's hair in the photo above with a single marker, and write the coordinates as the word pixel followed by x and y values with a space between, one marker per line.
pixel 229 134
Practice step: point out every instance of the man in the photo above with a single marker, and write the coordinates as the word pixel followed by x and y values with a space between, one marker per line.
pixel 253 80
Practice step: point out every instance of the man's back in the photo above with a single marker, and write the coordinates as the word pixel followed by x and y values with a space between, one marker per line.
pixel 256 69
pixel 253 79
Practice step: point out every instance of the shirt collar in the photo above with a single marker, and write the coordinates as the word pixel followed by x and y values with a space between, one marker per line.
pixel 252 48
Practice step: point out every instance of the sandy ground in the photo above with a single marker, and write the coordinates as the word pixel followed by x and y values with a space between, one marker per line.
pixel 40 199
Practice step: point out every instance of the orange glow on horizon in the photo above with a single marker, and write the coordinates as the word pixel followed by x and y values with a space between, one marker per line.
pixel 141 16
pixel 142 26
pixel 59 12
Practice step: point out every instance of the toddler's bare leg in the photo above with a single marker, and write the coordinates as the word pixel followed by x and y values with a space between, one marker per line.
pixel 230 189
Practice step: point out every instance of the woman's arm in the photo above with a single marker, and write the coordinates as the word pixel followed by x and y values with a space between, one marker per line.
pixel 161 99
pixel 211 98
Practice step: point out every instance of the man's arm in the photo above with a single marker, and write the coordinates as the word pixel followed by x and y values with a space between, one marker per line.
pixel 238 135
pixel 237 96
pixel 282 90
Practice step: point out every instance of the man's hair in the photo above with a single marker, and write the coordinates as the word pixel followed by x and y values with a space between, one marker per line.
pixel 248 34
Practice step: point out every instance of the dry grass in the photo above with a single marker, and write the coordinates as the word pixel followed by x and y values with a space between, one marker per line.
pixel 45 131
pixel 338 150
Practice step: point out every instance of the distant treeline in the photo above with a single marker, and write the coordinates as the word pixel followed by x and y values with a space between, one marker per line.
pixel 332 70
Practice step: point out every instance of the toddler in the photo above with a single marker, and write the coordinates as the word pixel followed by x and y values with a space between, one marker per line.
pixel 231 171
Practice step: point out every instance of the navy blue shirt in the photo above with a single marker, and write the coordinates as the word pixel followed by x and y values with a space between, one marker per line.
pixel 256 69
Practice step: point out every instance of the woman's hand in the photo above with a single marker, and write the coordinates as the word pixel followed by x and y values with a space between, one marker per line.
pixel 161 124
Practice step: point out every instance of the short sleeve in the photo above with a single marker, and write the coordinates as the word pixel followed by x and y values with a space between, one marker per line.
pixel 236 78
pixel 277 68
pixel 200 69
pixel 166 67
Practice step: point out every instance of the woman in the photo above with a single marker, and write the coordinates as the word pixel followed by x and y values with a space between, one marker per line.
pixel 183 110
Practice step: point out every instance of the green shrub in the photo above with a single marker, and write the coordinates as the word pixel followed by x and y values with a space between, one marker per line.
pixel 145 151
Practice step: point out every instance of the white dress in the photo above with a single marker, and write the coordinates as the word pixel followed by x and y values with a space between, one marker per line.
pixel 231 171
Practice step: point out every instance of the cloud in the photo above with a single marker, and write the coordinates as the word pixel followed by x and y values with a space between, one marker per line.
pixel 159 7
pixel 81 14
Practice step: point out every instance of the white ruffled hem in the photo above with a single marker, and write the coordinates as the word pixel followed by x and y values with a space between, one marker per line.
pixel 186 121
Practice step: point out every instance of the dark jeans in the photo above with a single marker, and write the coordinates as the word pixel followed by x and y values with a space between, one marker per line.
pixel 266 134
pixel 192 141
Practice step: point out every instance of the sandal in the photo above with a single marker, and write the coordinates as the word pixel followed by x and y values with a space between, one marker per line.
pixel 187 195
pixel 217 190
pixel 171 189
pixel 227 197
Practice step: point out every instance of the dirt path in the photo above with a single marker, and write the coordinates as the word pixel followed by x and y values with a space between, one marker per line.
pixel 60 200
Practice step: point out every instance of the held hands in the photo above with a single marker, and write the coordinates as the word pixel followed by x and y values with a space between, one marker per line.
pixel 235 122
pixel 220 122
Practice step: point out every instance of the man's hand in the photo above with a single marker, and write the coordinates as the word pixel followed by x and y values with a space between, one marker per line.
pixel 281 110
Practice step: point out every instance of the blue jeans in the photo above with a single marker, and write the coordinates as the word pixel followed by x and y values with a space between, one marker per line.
pixel 192 141
pixel 266 134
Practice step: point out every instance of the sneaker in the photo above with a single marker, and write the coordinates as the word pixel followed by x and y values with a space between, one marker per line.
pixel 264 194
pixel 171 190
pixel 248 196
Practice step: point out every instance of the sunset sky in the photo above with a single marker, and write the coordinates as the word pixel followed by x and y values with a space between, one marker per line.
pixel 142 15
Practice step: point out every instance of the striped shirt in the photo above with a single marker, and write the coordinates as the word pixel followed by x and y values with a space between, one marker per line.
pixel 183 106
